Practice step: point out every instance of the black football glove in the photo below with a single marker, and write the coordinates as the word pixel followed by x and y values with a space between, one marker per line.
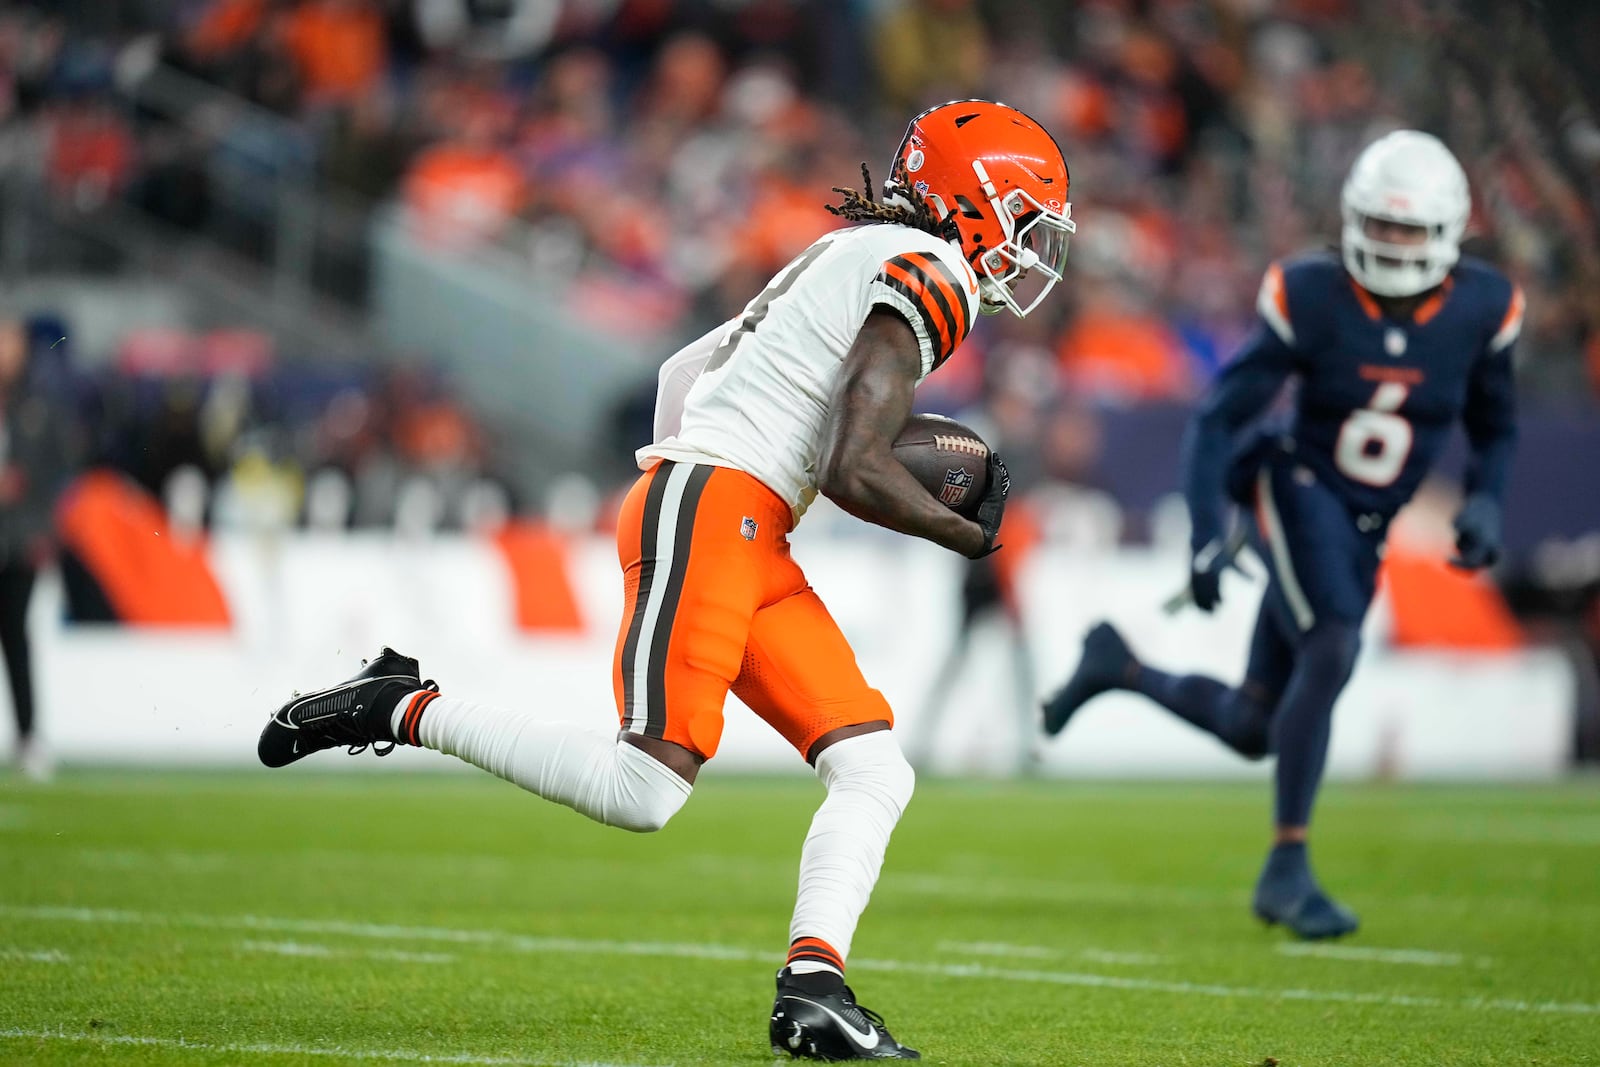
pixel 1477 534
pixel 1205 573
pixel 993 507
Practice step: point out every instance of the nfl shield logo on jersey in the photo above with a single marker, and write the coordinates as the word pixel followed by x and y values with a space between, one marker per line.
pixel 747 528
pixel 956 483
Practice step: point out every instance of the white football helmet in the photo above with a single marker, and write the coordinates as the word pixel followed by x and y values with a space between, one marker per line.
pixel 1407 177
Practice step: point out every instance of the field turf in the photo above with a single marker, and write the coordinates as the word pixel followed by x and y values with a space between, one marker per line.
pixel 305 917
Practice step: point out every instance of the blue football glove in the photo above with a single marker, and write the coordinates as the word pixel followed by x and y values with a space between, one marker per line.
pixel 993 508
pixel 1477 533
pixel 1206 567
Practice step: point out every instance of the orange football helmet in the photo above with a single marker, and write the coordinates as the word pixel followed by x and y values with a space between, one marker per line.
pixel 999 179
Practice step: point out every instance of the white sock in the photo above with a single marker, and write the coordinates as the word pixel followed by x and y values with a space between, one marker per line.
pixel 869 784
pixel 595 774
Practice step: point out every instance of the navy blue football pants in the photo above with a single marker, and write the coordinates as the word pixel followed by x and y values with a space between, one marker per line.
pixel 1322 563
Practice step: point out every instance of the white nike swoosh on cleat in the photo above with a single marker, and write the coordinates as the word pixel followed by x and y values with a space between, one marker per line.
pixel 867 1040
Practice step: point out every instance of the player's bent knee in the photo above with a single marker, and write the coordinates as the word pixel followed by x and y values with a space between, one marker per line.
pixel 1330 650
pixel 870 763
pixel 1253 741
pixel 644 818
pixel 646 793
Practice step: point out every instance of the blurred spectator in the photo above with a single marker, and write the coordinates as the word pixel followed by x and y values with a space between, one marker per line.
pixel 504 30
pixel 92 154
pixel 36 450
pixel 653 163
pixel 465 190
pixel 1070 503
pixel 338 47
pixel 1115 350
pixel 669 156
pixel 224 28
pixel 930 51
pixel 366 148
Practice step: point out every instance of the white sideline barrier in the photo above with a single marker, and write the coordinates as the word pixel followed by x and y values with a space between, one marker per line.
pixel 307 607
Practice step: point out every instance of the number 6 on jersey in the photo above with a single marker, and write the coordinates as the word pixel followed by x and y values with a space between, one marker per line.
pixel 1374 441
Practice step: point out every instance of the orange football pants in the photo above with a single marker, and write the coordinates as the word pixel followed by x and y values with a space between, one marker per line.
pixel 715 601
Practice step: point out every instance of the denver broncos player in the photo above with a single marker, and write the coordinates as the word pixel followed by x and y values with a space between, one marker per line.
pixel 1390 346
pixel 803 393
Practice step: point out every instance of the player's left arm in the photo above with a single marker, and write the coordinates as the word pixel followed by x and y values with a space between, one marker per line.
pixel 870 404
pixel 1490 419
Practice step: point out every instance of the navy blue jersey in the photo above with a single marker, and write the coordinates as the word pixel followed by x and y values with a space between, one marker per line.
pixel 1377 395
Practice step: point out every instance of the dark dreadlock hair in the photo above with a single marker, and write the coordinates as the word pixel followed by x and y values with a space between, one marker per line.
pixel 867 208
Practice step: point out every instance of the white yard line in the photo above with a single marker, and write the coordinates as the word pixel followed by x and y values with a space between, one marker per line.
pixel 1416 956
pixel 997 948
pixel 1050 889
pixel 329 952
pixel 133 859
pixel 397 1055
pixel 464 865
pixel 1045 891
pixel 48 955
pixel 1039 952
pixel 1132 959
pixel 1585 834
pixel 584 947
pixel 1334 996
pixel 493 938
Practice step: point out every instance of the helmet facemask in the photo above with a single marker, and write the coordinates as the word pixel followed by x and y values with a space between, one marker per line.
pixel 1388 268
pixel 1035 245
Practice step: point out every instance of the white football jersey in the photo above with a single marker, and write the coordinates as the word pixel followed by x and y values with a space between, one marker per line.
pixel 753 393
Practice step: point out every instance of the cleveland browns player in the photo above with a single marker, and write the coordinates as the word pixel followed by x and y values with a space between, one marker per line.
pixel 804 392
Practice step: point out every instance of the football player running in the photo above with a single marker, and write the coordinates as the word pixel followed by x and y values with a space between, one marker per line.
pixel 802 393
pixel 1390 342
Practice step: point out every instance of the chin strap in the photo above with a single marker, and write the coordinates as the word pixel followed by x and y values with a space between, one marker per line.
pixel 988 302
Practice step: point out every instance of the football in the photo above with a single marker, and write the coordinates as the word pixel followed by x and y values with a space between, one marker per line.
pixel 948 459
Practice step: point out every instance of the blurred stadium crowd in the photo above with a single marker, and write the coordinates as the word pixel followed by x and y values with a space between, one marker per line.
pixel 646 165
pixel 663 157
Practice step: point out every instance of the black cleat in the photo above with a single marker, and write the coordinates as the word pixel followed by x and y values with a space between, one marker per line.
pixel 1288 893
pixel 1106 664
pixel 831 1026
pixel 354 713
pixel 1314 917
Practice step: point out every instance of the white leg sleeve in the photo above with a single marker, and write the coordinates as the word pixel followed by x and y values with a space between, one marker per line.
pixel 595 774
pixel 869 784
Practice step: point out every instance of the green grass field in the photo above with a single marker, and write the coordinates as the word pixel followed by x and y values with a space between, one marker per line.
pixel 298 917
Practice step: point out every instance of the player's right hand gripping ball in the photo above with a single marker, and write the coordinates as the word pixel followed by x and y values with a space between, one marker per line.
pixel 993 508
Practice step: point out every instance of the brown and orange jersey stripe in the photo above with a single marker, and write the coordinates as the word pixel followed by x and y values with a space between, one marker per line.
pixel 935 292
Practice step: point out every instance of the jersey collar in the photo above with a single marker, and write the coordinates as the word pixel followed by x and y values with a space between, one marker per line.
pixel 1421 316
